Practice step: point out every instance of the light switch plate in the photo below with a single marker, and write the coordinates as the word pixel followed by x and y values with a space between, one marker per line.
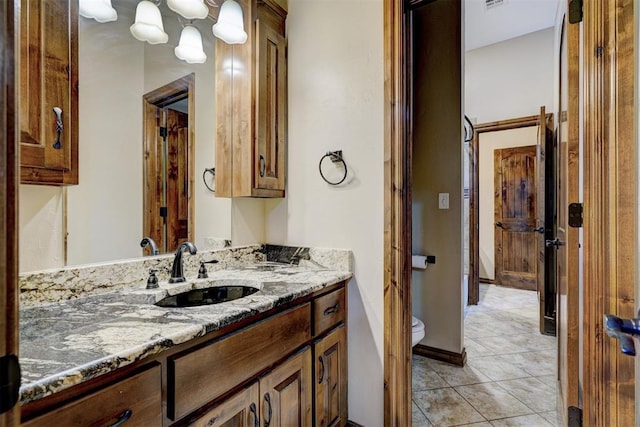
pixel 443 200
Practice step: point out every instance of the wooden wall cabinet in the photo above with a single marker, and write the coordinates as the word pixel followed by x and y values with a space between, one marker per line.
pixel 251 106
pixel 48 83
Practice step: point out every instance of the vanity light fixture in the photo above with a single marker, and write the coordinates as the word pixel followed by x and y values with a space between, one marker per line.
pixel 230 25
pixel 190 47
pixel 189 9
pixel 100 10
pixel 148 24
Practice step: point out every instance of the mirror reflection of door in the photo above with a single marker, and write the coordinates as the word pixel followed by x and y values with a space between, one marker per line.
pixel 169 164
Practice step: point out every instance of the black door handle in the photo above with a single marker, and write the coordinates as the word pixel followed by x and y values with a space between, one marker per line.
pixel 556 243
pixel 539 230
pixel 623 330
pixel 499 224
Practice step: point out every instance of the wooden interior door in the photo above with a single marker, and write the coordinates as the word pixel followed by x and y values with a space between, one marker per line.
pixel 153 183
pixel 546 221
pixel 177 178
pixel 286 393
pixel 515 217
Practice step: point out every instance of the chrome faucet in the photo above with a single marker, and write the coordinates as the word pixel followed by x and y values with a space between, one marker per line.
pixel 177 275
pixel 152 245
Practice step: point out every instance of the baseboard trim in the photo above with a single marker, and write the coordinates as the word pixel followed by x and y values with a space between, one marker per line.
pixel 353 424
pixel 487 281
pixel 458 359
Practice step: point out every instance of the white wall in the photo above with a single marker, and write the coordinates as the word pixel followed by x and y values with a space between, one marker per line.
pixel 336 101
pixel 510 79
pixel 489 141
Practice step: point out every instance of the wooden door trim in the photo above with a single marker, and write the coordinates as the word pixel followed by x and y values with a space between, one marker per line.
pixel 474 209
pixel 610 196
pixel 397 220
pixel 9 170
pixel 573 235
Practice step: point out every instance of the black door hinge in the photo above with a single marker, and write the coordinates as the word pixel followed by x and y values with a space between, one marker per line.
pixel 575 11
pixel 575 215
pixel 9 382
pixel 163 132
pixel 163 211
pixel 575 416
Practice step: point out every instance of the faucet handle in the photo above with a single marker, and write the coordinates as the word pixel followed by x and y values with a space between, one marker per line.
pixel 202 272
pixel 152 281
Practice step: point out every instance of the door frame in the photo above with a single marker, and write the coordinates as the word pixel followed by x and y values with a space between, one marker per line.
pixel 9 170
pixel 474 182
pixel 159 98
pixel 610 159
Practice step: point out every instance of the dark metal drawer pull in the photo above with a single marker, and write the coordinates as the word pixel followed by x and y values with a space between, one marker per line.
pixel 267 420
pixel 332 309
pixel 123 418
pixel 254 411
pixel 321 360
pixel 58 112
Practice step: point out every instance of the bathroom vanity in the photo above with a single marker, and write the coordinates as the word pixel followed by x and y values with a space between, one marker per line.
pixel 277 357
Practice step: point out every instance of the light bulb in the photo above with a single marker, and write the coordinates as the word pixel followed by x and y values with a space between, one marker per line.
pixel 190 47
pixel 190 9
pixel 100 10
pixel 230 25
pixel 148 24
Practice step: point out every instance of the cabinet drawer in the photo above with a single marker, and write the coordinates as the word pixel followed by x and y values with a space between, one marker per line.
pixel 206 373
pixel 140 394
pixel 328 310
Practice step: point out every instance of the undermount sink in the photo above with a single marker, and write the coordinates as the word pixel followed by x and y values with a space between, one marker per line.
pixel 220 291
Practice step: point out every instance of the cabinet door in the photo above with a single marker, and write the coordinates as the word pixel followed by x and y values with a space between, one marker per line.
pixel 48 84
pixel 240 410
pixel 271 126
pixel 331 379
pixel 286 393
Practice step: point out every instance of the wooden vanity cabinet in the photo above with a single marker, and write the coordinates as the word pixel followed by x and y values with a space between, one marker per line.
pixel 48 83
pixel 330 359
pixel 251 106
pixel 136 400
pixel 284 368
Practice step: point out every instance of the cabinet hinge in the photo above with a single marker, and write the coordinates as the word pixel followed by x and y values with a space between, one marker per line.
pixel 575 11
pixel 575 416
pixel 575 215
pixel 9 382
pixel 163 132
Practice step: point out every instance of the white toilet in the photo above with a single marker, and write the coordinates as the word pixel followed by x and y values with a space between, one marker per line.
pixel 417 331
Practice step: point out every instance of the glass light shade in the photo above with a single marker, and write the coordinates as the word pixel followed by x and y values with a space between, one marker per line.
pixel 148 24
pixel 190 47
pixel 100 10
pixel 190 9
pixel 230 25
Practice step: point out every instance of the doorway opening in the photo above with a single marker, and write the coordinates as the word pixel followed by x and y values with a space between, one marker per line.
pixel 169 163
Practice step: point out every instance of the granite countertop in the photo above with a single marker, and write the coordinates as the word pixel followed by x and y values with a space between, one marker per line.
pixel 66 343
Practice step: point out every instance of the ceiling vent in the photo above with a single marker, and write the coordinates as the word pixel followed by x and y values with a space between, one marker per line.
pixel 490 4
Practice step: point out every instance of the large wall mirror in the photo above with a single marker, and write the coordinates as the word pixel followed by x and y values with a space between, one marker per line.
pixel 105 217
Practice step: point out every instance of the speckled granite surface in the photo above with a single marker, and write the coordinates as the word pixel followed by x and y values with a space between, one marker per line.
pixel 74 340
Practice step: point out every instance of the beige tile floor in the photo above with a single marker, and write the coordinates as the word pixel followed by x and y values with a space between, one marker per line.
pixel 509 379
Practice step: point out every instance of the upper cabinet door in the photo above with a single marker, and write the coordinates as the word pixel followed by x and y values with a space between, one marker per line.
pixel 48 92
pixel 251 106
pixel 271 101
